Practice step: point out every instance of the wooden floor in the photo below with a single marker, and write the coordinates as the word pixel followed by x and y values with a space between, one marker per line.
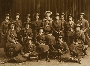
pixel 84 61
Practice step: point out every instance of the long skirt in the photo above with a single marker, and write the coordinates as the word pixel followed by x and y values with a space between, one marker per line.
pixel 20 58
pixel 42 48
pixel 77 49
pixel 66 55
pixel 17 46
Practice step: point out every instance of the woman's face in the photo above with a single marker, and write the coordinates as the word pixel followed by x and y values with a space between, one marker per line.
pixel 28 19
pixel 81 16
pixel 12 26
pixel 48 14
pixel 27 25
pixel 7 17
pixel 17 16
pixel 77 28
pixel 60 39
pixel 37 17
pixel 41 31
pixel 62 17
pixel 70 18
pixel 57 17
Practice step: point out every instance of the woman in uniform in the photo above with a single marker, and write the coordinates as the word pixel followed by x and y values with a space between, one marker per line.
pixel 5 28
pixel 57 27
pixel 12 40
pixel 41 44
pixel 70 27
pixel 47 22
pixel 18 22
pixel 36 25
pixel 64 51
pixel 79 39
pixel 27 33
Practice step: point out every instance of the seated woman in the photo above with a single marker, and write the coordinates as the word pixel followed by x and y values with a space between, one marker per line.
pixel 64 52
pixel 40 43
pixel 79 40
pixel 30 49
pixel 12 39
pixel 27 32
pixel 76 48
pixel 51 42
pixel 63 49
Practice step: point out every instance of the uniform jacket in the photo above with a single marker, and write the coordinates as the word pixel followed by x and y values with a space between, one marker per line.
pixel 63 47
pixel 50 40
pixel 5 26
pixel 56 25
pixel 12 40
pixel 70 27
pixel 40 39
pixel 11 35
pixel 79 35
pixel 27 32
pixel 37 24
pixel 18 23
pixel 84 24
pixel 62 24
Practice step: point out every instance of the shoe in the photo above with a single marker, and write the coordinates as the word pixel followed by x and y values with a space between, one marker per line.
pixel 79 61
pixel 2 62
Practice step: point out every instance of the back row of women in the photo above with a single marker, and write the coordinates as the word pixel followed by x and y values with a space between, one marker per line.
pixel 67 40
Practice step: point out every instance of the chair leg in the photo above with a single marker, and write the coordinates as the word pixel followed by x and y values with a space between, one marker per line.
pixel 47 56
pixel 59 58
pixel 37 58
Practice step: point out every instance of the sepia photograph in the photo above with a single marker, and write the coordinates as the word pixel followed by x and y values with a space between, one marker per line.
pixel 44 33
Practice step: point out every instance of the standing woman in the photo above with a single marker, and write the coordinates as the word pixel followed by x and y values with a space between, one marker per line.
pixel 36 25
pixel 28 20
pixel 5 28
pixel 63 27
pixel 57 26
pixel 18 22
pixel 47 22
pixel 85 27
pixel 70 26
